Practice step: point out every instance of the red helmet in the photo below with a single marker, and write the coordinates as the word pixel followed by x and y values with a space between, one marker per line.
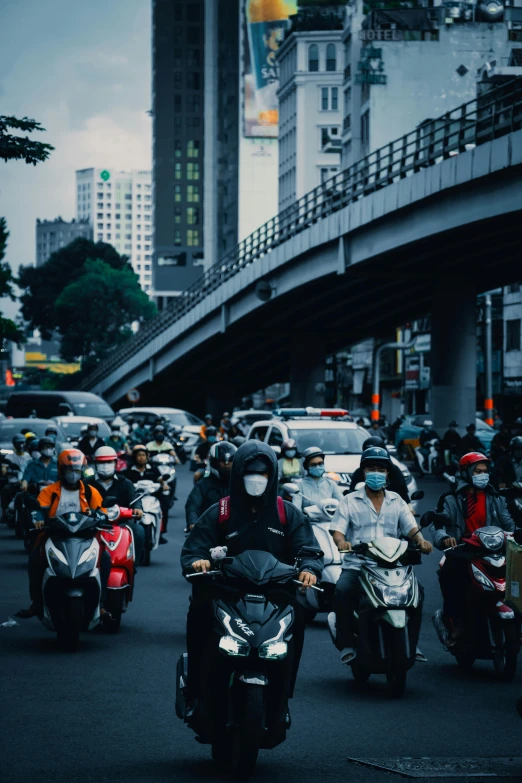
pixel 472 458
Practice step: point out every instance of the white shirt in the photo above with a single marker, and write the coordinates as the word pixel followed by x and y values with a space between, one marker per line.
pixel 69 501
pixel 316 491
pixel 359 522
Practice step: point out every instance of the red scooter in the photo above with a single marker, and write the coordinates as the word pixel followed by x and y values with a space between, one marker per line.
pixel 491 627
pixel 119 543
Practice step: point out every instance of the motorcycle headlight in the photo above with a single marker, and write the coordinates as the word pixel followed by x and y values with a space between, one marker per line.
pixel 482 578
pixel 231 646
pixel 273 650
pixel 393 595
pixel 130 551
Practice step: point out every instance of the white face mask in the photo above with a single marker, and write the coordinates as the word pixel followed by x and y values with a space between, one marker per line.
pixel 106 469
pixel 480 480
pixel 255 484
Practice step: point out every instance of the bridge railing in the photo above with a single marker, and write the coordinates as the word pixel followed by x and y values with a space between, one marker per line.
pixel 480 120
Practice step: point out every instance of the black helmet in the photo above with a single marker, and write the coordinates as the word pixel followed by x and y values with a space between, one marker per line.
pixel 18 441
pixel 208 416
pixel 374 441
pixel 221 452
pixel 374 455
pixel 115 428
pixel 46 443
pixel 93 426
pixel 51 431
pixel 453 423
pixel 309 453
pixel 159 429
pixel 516 443
pixel 471 426
pixel 238 441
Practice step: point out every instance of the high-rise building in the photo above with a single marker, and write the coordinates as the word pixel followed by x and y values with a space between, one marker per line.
pixel 404 66
pixel 310 107
pixel 51 235
pixel 118 205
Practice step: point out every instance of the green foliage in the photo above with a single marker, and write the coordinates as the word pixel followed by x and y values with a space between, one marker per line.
pixel 22 147
pixel 8 329
pixel 44 284
pixel 95 312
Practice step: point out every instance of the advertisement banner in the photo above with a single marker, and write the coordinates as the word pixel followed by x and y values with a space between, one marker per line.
pixel 264 25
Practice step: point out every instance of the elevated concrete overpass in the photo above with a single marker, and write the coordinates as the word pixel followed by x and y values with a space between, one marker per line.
pixel 419 226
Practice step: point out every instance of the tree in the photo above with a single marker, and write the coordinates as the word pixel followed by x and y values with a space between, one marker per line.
pixel 8 329
pixel 22 147
pixel 95 312
pixel 44 284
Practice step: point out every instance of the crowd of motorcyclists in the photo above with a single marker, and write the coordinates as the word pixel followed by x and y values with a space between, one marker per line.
pixel 247 498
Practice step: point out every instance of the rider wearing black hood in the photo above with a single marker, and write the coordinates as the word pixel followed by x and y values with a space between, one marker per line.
pixel 253 522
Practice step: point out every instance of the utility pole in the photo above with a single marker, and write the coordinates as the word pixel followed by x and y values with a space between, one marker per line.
pixel 488 368
pixel 376 374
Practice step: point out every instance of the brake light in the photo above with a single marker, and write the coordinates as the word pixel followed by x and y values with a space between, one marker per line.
pixel 327 412
pixel 333 412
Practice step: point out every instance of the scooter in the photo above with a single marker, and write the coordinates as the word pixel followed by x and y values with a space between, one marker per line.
pixel 71 587
pixel 119 542
pixel 320 515
pixel 430 464
pixel 246 665
pixel 491 627
pixel 166 465
pixel 389 598
pixel 152 516
pixel 13 476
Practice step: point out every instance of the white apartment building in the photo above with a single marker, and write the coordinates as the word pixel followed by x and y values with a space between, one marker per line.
pixel 118 205
pixel 310 111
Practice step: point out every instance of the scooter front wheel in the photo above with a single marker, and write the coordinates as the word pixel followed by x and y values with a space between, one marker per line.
pixel 247 736
pixel 397 662
pixel 114 605
pixel 70 626
pixel 147 546
pixel 505 657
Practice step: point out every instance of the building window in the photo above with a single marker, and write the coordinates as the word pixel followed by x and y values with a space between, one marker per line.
pixel 193 58
pixel 128 236
pixel 193 148
pixel 313 57
pixel 177 170
pixel 329 98
pixel 193 80
pixel 99 216
pixel 331 57
pixel 193 12
pixel 177 103
pixel 193 216
pixel 118 236
pixel 99 226
pixel 513 334
pixel 193 194
pixel 177 148
pixel 192 237
pixel 193 35
pixel 108 236
pixel 194 103
pixel 192 170
pixel 128 247
pixel 117 216
pixel 177 237
pixel 365 127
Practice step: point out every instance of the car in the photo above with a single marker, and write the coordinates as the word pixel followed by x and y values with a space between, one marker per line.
pixel 411 428
pixel 175 416
pixel 72 426
pixel 250 416
pixel 11 427
pixel 47 404
pixel 340 440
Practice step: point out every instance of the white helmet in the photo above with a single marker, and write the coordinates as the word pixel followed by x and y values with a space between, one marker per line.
pixel 105 454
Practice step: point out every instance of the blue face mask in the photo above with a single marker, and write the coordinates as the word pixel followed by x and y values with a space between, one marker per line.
pixel 317 471
pixel 212 439
pixel 376 480
pixel 290 453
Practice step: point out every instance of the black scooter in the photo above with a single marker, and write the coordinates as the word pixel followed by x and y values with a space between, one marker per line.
pixel 247 664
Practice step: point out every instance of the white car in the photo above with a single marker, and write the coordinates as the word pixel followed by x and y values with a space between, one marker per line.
pixel 176 417
pixel 72 426
pixel 341 441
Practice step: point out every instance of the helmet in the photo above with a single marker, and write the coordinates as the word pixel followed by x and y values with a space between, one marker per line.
pixel 427 423
pixel 51 431
pixel 92 426
pixel 226 415
pixel 159 429
pixel 471 426
pixel 46 443
pixel 453 423
pixel 309 453
pixel 71 458
pixel 115 427
pixel 208 417
pixel 469 460
pixel 139 447
pixel 29 436
pixel 516 443
pixel 374 441
pixel 105 454
pixel 220 452
pixel 374 455
pixel 18 441
pixel 238 441
pixel 288 444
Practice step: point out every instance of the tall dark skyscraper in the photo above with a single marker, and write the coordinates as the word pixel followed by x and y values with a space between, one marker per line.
pixel 195 88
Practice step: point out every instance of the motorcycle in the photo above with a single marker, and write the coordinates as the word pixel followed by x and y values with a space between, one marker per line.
pixel 433 462
pixel 152 516
pixel 491 628
pixel 389 597
pixel 513 496
pixel 166 465
pixel 23 519
pixel 320 515
pixel 13 477
pixel 177 438
pixel 246 666
pixel 71 587
pixel 119 542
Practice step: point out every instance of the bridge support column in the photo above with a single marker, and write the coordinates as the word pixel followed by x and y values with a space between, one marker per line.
pixel 308 361
pixel 453 352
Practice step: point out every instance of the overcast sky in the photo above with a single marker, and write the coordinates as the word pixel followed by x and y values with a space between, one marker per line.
pixel 83 70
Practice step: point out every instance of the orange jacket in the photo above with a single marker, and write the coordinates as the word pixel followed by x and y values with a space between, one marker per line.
pixel 49 498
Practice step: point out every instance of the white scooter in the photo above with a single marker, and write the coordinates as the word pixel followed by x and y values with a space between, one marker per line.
pixel 152 516
pixel 429 464
pixel 320 515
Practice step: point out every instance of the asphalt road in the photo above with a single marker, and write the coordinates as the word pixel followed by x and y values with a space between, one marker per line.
pixel 107 712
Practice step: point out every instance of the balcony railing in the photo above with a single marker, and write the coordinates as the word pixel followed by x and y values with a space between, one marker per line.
pixel 481 120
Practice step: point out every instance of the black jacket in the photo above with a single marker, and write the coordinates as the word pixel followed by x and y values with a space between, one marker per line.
pixel 451 440
pixel 121 488
pixel 151 473
pixel 247 528
pixel 85 445
pixel 206 493
pixel 397 482
pixel 427 435
pixel 470 443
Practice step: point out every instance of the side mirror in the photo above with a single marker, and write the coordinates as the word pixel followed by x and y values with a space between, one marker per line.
pixel 277 450
pixel 310 553
pixel 291 488
pixel 418 495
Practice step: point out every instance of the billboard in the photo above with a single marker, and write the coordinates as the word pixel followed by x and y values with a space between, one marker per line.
pixel 264 23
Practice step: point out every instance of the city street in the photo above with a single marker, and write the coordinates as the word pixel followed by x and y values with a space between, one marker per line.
pixel 107 712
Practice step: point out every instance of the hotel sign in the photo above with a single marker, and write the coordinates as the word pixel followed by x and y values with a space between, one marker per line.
pixel 381 35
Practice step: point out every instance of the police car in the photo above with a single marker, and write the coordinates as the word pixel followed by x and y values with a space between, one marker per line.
pixel 329 428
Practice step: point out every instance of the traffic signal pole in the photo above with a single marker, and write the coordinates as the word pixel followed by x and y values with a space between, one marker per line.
pixel 376 374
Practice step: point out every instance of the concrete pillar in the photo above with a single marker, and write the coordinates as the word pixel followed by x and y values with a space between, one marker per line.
pixel 453 353
pixel 307 386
